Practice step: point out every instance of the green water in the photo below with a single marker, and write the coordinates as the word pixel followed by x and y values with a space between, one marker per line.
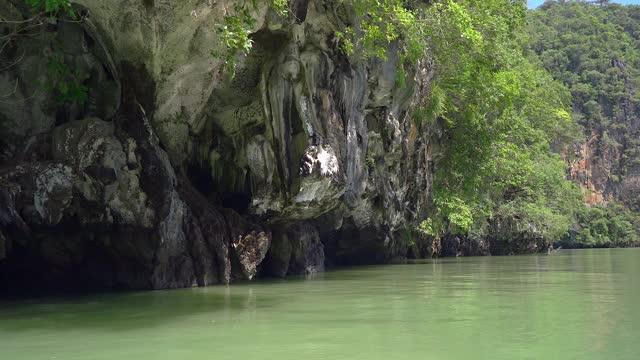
pixel 582 304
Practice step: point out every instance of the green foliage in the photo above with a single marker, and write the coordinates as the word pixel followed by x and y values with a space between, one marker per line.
pixel 52 7
pixel 234 35
pixel 64 83
pixel 501 112
pixel 370 162
pixel 408 237
pixel 459 217
pixel 380 24
pixel 427 113
pixel 281 7
pixel 595 52
pixel 605 226
pixel 236 29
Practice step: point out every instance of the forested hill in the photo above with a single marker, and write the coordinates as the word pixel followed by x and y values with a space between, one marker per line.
pixel 595 51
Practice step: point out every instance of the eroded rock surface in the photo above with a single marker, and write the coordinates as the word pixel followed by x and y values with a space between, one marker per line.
pixel 173 174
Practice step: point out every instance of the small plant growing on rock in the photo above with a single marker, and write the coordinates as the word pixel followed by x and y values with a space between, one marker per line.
pixel 370 161
pixel 234 34
pixel 64 83
pixel 280 6
pixel 236 29
pixel 54 8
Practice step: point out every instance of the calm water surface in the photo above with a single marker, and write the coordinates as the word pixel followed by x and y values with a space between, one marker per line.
pixel 579 304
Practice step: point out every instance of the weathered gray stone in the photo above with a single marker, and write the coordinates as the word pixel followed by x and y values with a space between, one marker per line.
pixel 250 243
pixel 307 256
pixel 279 256
pixel 53 192
pixel 301 140
pixel 251 250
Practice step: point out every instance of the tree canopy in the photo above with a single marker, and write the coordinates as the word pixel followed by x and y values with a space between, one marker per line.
pixel 595 52
pixel 501 112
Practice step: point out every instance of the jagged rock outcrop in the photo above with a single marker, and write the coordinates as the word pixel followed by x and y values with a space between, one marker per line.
pixel 173 174
pixel 298 250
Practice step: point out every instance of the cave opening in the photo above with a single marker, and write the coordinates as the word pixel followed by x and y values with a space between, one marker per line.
pixel 238 199
pixel 70 260
pixel 200 177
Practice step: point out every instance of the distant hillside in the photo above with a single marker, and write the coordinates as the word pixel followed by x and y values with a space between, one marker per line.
pixel 595 51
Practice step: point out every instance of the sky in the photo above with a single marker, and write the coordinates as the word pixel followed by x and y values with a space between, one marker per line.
pixel 536 3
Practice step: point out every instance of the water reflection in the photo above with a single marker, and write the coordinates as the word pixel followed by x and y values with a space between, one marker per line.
pixel 578 305
pixel 127 311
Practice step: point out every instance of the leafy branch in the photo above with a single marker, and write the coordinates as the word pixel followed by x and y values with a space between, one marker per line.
pixel 65 83
pixel 42 9
pixel 236 29
pixel 381 23
pixel 52 8
pixel 62 82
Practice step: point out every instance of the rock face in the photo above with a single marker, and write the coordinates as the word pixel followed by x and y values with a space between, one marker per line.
pixel 604 167
pixel 174 174
pixel 605 163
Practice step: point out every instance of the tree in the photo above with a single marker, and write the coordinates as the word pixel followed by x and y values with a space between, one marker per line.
pixel 502 111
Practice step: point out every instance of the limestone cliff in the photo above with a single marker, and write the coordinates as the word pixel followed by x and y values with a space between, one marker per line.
pixel 174 174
